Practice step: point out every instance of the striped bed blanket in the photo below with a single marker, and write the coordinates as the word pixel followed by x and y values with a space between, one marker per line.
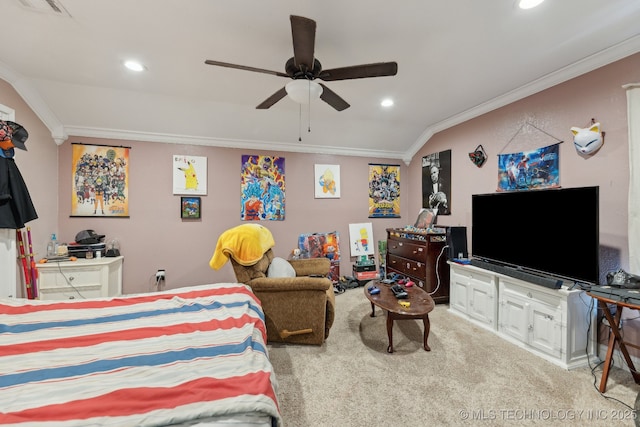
pixel 152 359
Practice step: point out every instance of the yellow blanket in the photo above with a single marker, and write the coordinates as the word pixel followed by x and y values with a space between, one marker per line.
pixel 246 244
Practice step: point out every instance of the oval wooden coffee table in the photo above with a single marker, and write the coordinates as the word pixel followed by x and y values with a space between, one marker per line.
pixel 421 304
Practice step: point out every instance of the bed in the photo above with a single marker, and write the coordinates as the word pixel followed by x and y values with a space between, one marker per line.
pixel 190 356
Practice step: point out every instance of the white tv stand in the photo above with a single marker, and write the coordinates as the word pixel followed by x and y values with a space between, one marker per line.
pixel 555 324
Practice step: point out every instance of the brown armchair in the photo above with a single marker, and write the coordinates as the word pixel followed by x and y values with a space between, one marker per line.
pixel 297 309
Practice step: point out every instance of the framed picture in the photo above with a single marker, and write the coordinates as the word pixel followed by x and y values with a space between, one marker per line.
pixel 190 207
pixel 327 182
pixel 426 218
pixel 189 175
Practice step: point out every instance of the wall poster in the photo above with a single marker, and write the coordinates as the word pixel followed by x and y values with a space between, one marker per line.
pixel 436 182
pixel 384 191
pixel 100 180
pixel 529 170
pixel 361 239
pixel 262 189
pixel 189 175
pixel 327 181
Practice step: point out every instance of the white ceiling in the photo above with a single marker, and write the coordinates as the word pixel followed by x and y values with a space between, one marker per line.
pixel 456 59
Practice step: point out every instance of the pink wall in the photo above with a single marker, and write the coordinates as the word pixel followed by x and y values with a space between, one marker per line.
pixel 155 237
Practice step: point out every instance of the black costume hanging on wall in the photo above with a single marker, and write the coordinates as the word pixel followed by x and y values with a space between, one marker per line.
pixel 16 207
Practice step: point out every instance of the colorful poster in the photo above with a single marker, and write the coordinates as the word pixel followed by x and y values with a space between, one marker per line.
pixel 262 189
pixel 361 239
pixel 100 180
pixel 317 245
pixel 189 175
pixel 327 181
pixel 384 191
pixel 529 170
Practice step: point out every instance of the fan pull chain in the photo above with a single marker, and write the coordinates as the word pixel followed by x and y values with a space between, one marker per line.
pixel 309 112
pixel 299 122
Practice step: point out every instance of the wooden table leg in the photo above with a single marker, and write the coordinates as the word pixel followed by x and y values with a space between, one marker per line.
pixel 610 347
pixel 390 332
pixel 373 310
pixel 427 326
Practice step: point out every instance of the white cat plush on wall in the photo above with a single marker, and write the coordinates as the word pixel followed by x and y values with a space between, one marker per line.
pixel 587 140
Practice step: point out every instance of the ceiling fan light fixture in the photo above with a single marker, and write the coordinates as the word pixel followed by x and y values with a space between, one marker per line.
pixel 302 90
pixel 529 4
pixel 134 65
pixel 387 102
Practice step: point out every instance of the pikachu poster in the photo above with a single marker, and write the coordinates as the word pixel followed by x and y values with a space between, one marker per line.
pixel 189 175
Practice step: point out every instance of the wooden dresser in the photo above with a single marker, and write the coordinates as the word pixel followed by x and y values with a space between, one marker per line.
pixel 422 257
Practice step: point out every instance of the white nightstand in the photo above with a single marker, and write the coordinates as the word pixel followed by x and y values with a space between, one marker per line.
pixel 84 278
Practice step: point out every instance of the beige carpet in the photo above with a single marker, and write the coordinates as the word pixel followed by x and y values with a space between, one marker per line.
pixel 471 376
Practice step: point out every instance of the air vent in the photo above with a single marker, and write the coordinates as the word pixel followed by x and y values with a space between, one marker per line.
pixel 51 7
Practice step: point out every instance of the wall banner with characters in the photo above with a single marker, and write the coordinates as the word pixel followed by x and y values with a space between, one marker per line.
pixel 262 189
pixel 384 191
pixel 100 180
pixel 529 170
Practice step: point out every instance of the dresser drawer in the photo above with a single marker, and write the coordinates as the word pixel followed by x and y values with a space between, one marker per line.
pixel 407 250
pixel 90 275
pixel 408 267
pixel 71 292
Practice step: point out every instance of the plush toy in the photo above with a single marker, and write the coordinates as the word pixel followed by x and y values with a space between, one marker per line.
pixel 587 140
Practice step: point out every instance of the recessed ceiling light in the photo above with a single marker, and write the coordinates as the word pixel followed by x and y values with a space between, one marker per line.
pixel 528 4
pixel 134 65
pixel 387 102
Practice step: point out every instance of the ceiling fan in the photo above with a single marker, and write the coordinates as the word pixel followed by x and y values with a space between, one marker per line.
pixel 304 67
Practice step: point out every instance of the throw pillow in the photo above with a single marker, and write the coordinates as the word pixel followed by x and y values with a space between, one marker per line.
pixel 280 267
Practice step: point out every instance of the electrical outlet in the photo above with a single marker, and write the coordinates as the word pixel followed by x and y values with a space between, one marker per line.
pixel 160 275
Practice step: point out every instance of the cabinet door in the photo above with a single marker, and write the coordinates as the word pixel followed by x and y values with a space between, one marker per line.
pixel 546 329
pixel 481 303
pixel 459 299
pixel 514 316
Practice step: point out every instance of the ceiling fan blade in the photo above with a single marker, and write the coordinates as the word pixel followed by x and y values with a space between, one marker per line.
pixel 379 69
pixel 332 98
pixel 244 67
pixel 272 99
pixel 303 32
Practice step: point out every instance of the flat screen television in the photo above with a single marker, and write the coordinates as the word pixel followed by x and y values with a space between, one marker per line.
pixel 553 232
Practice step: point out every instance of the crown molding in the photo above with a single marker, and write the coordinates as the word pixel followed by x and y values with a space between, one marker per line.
pixel 92 132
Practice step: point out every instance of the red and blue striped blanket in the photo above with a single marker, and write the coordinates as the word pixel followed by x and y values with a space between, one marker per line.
pixel 148 359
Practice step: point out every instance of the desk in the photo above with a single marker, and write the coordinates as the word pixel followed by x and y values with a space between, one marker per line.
pixel 605 302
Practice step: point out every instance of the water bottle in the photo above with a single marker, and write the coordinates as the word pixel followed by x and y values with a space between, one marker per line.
pixel 52 246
